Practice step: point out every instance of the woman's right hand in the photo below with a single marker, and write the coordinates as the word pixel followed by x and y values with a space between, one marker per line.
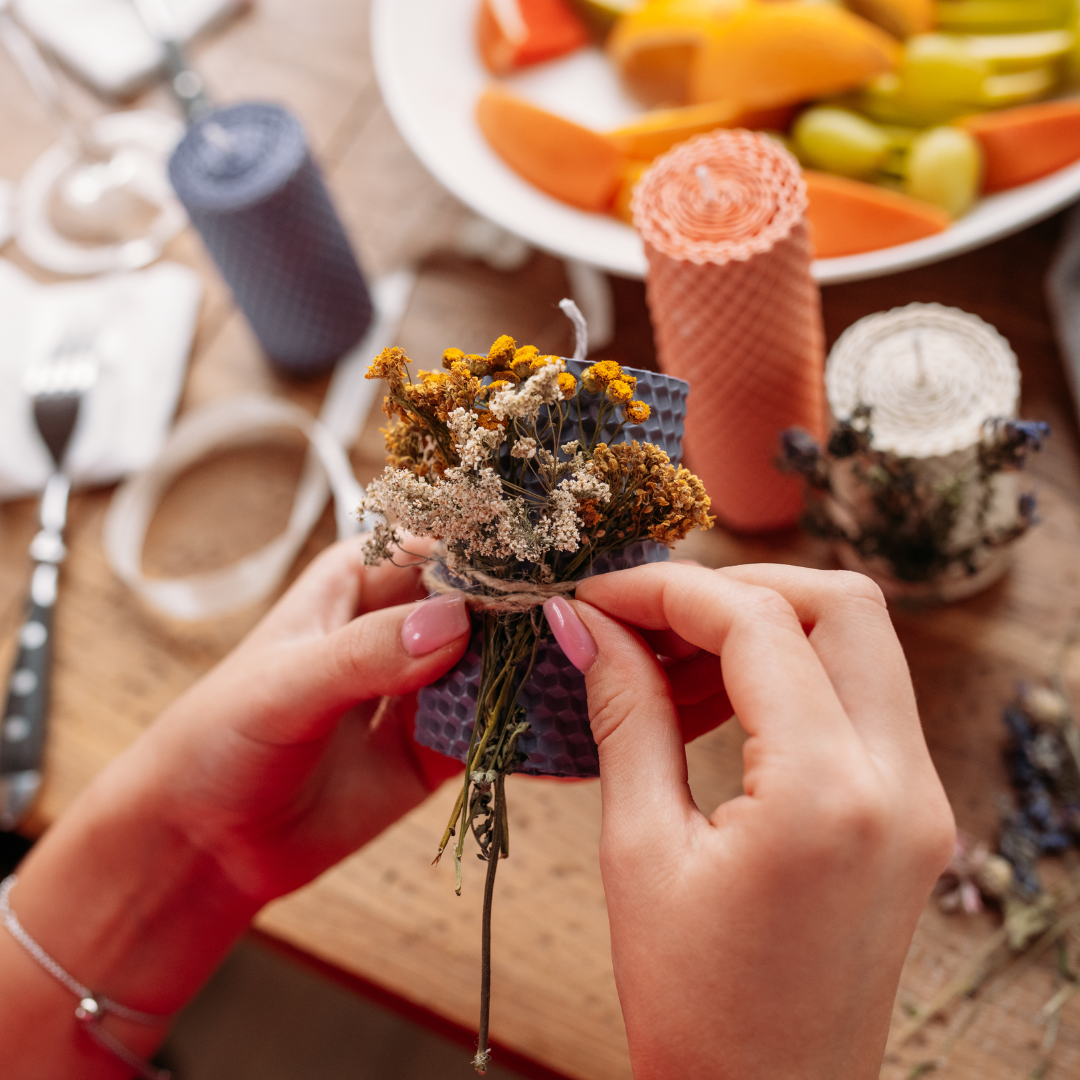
pixel 764 942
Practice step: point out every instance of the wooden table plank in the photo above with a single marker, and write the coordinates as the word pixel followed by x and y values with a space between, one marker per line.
pixel 385 914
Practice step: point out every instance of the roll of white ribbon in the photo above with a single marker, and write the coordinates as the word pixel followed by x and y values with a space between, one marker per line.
pixel 250 419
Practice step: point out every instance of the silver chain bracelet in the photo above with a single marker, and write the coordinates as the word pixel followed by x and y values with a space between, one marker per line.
pixel 92 1007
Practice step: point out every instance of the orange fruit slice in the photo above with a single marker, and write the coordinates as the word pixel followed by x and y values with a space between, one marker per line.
pixel 848 217
pixel 656 132
pixel 513 34
pixel 564 159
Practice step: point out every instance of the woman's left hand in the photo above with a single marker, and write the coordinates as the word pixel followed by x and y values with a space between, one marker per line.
pixel 281 761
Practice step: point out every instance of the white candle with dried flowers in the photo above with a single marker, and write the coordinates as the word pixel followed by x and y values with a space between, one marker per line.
pixel 919 481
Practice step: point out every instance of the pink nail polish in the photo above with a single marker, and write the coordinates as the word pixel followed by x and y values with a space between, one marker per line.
pixel 570 632
pixel 435 623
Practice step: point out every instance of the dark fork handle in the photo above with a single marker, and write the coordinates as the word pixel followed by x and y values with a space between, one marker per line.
pixel 55 416
pixel 22 733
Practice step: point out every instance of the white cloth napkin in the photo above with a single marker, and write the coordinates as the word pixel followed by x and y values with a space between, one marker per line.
pixel 104 42
pixel 142 324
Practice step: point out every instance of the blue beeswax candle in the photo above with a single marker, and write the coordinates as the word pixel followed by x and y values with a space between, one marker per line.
pixel 255 194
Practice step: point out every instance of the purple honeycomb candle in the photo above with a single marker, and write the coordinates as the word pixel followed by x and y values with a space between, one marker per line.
pixel 559 741
pixel 252 190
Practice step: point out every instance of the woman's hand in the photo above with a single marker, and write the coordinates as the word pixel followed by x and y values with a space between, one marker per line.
pixel 767 939
pixel 268 771
pixel 280 762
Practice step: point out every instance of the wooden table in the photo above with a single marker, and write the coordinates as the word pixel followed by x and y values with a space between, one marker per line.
pixel 384 918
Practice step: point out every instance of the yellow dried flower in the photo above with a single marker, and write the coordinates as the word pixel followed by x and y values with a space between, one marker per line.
pixel 502 352
pixel 637 412
pixel 487 420
pixel 539 362
pixel 450 357
pixel 619 392
pixel 391 365
pixel 606 371
pixel 479 365
pixel 436 378
pixel 521 367
pixel 567 385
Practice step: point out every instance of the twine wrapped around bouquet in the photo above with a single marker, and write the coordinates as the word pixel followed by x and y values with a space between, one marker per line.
pixel 486 593
pixel 736 313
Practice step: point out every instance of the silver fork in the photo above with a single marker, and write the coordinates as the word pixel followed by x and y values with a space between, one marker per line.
pixel 56 388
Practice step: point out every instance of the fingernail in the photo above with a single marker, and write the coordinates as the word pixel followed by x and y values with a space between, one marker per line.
pixel 570 632
pixel 435 623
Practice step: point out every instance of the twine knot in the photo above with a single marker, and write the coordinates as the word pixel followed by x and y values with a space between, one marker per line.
pixel 486 593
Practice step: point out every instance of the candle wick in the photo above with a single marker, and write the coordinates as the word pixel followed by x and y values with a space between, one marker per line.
pixel 708 188
pixel 920 363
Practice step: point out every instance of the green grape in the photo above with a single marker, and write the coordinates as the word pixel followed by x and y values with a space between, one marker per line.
pixel 839 141
pixel 885 100
pixel 944 167
pixel 1002 16
pixel 981 70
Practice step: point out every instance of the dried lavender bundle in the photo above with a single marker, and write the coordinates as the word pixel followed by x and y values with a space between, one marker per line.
pixel 497 458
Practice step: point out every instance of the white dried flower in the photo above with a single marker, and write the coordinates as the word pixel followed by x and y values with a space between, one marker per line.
pixel 523 403
pixel 524 448
pixel 570 448
pixel 561 524
pixel 378 547
pixel 473 444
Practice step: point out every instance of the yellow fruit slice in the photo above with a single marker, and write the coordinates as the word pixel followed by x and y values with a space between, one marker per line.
pixel 654 44
pixel 656 132
pixel 782 53
pixel 901 18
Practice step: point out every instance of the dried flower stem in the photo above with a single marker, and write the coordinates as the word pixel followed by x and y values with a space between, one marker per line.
pixel 495 853
pixel 979 970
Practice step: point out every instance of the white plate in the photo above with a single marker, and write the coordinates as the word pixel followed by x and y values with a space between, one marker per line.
pixel 431 75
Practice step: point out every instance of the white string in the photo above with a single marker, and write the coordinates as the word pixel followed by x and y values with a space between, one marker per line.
pixel 581 328
pixel 257 419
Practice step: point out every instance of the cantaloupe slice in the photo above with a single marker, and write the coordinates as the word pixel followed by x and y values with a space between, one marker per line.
pixel 513 34
pixel 1023 144
pixel 848 217
pixel 632 171
pixel 782 53
pixel 656 132
pixel 570 162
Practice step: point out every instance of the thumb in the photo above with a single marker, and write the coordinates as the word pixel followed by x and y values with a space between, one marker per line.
pixel 634 719
pixel 384 653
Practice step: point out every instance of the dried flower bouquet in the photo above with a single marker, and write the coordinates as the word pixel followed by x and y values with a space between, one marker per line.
pixel 500 458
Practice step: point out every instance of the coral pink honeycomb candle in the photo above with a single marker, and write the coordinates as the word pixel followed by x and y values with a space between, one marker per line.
pixel 736 313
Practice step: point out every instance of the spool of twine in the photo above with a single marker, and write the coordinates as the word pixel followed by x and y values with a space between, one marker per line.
pixel 933 377
pixel 251 188
pixel 736 313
